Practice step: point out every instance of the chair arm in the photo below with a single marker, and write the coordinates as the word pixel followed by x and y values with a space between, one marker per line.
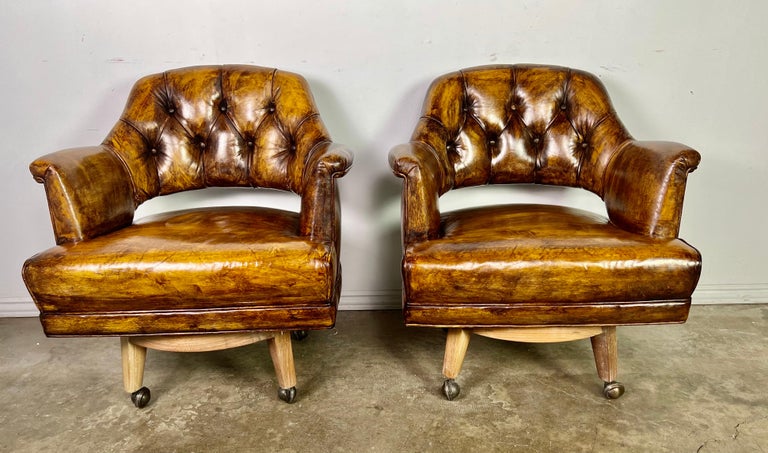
pixel 320 216
pixel 645 186
pixel 424 182
pixel 89 192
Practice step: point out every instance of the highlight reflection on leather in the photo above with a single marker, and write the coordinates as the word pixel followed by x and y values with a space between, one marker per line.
pixel 203 270
pixel 215 257
pixel 532 264
pixel 536 254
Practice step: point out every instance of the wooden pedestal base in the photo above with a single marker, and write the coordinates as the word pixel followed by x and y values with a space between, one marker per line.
pixel 134 354
pixel 604 348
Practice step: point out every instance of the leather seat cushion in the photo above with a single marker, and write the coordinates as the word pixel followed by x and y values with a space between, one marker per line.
pixel 199 259
pixel 540 254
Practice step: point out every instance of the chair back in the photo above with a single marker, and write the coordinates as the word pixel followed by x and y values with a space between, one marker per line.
pixel 206 126
pixel 521 124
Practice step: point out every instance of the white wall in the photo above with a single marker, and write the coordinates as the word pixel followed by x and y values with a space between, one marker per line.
pixel 692 71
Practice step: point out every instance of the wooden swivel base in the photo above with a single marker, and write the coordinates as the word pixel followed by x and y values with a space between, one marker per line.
pixel 134 353
pixel 604 347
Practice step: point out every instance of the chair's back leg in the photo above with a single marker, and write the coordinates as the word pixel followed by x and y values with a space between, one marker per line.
pixel 605 348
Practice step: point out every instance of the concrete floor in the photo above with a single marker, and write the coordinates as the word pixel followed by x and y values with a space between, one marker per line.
pixel 373 385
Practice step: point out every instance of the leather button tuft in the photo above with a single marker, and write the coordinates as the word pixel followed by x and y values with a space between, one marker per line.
pixel 223 107
pixel 171 110
pixel 153 150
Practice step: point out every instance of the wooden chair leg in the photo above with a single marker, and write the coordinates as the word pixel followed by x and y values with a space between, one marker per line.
pixel 456 344
pixel 134 357
pixel 282 357
pixel 605 349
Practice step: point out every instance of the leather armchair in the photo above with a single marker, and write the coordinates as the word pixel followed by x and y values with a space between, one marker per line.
pixel 206 278
pixel 540 273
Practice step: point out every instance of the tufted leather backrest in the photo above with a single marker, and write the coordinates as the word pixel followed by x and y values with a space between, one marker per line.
pixel 521 124
pixel 204 126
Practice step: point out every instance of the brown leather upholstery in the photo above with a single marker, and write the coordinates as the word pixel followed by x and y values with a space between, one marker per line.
pixel 508 265
pixel 534 265
pixel 238 268
pixel 181 130
pixel 203 270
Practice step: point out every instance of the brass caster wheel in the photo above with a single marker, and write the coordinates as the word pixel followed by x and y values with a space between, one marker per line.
pixel 299 335
pixel 287 395
pixel 613 390
pixel 140 397
pixel 451 389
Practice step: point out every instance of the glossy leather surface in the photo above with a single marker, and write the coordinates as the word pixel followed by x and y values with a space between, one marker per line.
pixel 540 255
pixel 530 264
pixel 214 258
pixel 207 269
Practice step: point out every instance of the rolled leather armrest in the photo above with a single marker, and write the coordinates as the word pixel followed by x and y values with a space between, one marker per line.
pixel 320 216
pixel 89 192
pixel 424 182
pixel 645 186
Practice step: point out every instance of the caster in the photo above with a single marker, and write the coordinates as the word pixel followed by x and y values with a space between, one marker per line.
pixel 299 335
pixel 140 397
pixel 451 389
pixel 613 390
pixel 287 395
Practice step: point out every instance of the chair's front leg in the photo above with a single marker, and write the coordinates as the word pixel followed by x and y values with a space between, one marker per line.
pixel 456 344
pixel 605 348
pixel 282 357
pixel 134 358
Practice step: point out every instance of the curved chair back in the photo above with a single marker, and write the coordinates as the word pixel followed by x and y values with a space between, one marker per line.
pixel 521 124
